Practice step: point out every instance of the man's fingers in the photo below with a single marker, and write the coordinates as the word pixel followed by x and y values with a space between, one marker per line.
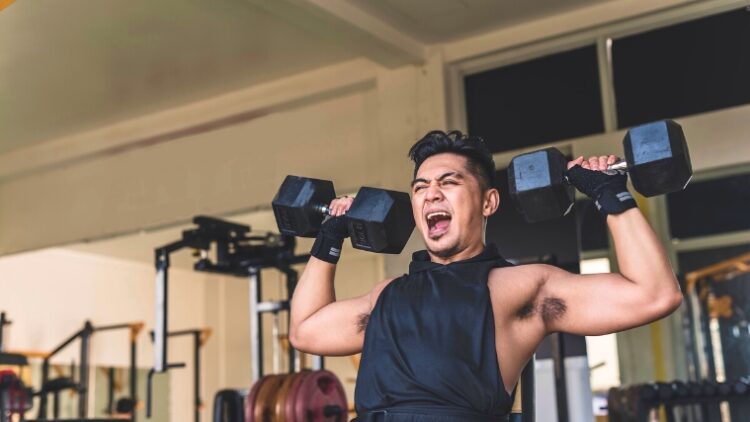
pixel 612 159
pixel 577 162
pixel 603 162
pixel 339 206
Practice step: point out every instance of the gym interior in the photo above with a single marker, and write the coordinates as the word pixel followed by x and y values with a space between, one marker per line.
pixel 142 268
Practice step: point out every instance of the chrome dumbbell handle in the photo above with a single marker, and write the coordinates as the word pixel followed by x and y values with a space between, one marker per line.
pixel 324 209
pixel 620 165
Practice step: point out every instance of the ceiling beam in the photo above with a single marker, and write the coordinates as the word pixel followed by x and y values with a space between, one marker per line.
pixel 189 119
pixel 346 24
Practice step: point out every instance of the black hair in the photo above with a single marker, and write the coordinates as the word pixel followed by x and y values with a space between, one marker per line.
pixel 479 159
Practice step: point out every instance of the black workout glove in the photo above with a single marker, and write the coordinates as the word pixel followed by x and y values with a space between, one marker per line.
pixel 609 191
pixel 330 239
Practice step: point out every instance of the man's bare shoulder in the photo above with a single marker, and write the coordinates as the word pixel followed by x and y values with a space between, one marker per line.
pixel 375 292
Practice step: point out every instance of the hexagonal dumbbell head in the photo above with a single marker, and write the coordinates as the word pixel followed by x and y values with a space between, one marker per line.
pixel 380 220
pixel 538 186
pixel 658 158
pixel 299 203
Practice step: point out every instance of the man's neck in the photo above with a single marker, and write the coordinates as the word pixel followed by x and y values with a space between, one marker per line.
pixel 469 252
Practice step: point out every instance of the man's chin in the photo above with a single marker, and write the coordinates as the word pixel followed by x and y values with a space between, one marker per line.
pixel 440 248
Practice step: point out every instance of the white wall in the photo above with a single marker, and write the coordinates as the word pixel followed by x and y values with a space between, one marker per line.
pixel 49 294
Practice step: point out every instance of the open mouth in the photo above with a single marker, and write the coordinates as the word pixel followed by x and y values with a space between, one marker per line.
pixel 437 223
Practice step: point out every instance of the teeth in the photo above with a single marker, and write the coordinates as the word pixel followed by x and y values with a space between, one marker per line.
pixel 437 214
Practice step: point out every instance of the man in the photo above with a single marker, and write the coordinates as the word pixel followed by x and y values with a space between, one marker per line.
pixel 447 342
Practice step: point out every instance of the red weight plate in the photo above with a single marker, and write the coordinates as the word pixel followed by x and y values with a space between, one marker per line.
pixel 289 405
pixel 320 398
pixel 250 402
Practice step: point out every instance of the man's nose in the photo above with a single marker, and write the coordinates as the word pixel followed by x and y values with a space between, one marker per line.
pixel 433 193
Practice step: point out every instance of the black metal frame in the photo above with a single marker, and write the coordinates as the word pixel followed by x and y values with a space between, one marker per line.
pixel 3 322
pixel 84 334
pixel 199 339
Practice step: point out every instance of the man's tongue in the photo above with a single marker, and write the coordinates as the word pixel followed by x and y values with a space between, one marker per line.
pixel 442 224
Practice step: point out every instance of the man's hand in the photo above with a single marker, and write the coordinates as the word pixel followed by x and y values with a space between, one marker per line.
pixel 333 231
pixel 594 163
pixel 607 188
pixel 340 206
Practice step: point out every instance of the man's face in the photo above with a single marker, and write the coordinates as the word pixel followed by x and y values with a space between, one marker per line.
pixel 449 206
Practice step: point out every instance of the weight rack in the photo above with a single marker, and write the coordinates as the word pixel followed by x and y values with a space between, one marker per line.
pixel 238 254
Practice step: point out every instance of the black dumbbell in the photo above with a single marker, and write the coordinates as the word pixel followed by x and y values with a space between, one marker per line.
pixel 378 220
pixel 656 157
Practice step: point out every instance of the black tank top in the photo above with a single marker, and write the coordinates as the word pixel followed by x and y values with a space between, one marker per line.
pixel 429 349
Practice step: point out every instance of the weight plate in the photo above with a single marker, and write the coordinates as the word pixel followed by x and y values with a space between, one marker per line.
pixel 289 405
pixel 263 408
pixel 320 398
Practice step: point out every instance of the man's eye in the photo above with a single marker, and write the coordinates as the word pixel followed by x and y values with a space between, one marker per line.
pixel 418 188
pixel 449 182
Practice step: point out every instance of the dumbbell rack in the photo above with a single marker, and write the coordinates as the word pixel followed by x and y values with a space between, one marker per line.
pixel 236 254
pixel 633 404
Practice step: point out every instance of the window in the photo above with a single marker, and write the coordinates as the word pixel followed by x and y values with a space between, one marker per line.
pixel 539 101
pixel 689 68
pixel 709 207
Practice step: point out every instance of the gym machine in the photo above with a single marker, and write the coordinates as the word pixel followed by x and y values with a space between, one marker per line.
pixel 81 387
pixel 200 337
pixel 235 253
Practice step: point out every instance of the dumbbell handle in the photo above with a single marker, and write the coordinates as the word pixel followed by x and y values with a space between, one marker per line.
pixel 620 165
pixel 323 209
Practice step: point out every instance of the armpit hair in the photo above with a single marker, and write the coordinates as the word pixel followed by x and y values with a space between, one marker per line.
pixel 549 308
pixel 553 308
pixel 362 322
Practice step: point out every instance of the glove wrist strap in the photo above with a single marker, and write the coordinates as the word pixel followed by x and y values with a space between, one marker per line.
pixel 327 249
pixel 614 201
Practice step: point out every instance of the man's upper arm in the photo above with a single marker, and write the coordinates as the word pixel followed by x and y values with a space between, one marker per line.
pixel 595 304
pixel 337 329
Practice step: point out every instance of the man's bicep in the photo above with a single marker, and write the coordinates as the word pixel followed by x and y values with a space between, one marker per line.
pixel 338 328
pixel 594 304
pixel 335 329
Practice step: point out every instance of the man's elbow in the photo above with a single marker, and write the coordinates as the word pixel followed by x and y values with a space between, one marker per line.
pixel 669 302
pixel 298 340
pixel 295 339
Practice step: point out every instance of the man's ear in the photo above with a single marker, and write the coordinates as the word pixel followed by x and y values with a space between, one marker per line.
pixel 491 202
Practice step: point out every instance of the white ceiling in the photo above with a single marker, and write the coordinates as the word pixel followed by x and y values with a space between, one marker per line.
pixel 74 65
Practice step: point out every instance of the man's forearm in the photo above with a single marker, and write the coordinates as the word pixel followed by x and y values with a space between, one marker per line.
pixel 641 258
pixel 314 290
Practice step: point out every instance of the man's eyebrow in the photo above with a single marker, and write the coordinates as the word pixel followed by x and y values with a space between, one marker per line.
pixel 451 174
pixel 415 181
pixel 441 177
